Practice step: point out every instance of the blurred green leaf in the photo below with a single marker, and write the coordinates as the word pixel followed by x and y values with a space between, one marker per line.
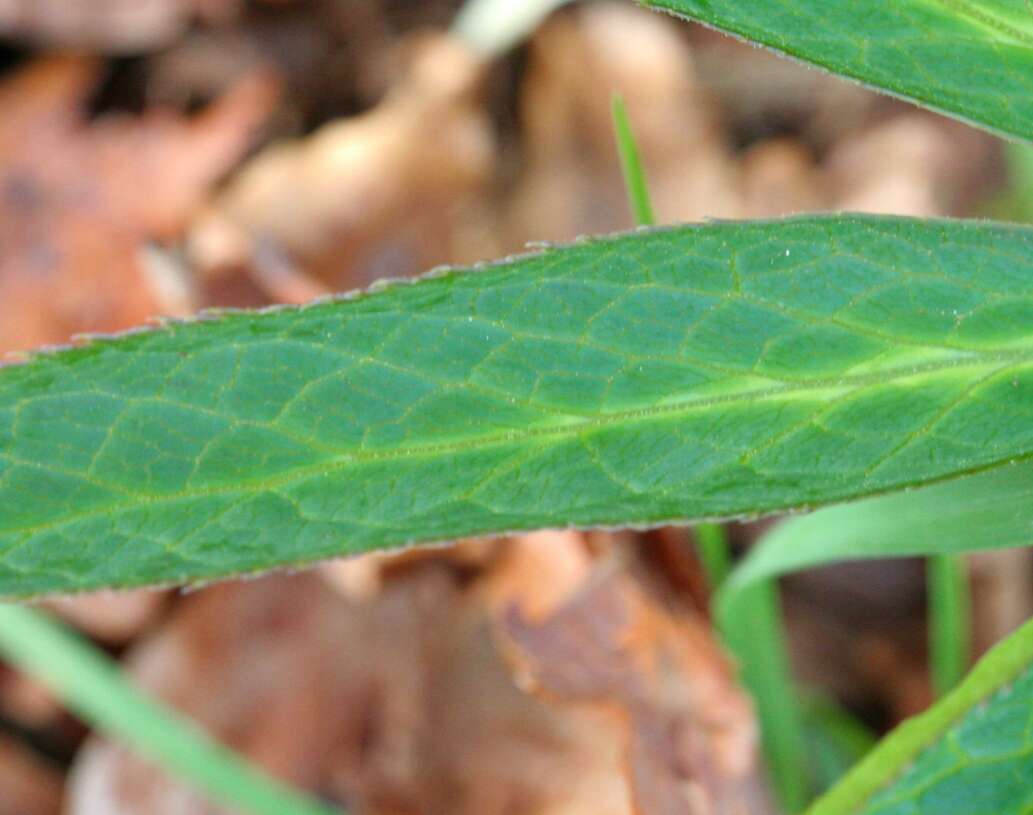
pixel 970 753
pixel 972 59
pixel 93 685
pixel 991 510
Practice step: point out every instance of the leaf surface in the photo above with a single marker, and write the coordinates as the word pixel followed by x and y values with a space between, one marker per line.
pixel 990 510
pixel 676 374
pixel 972 59
pixel 972 752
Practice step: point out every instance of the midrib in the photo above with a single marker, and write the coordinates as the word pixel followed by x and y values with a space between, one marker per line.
pixel 1002 360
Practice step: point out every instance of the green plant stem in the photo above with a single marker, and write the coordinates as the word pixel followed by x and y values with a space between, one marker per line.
pixel 751 628
pixel 631 164
pixel 714 553
pixel 94 687
pixel 949 604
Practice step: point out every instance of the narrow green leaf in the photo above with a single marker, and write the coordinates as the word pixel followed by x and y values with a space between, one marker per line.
pixel 93 686
pixel 970 753
pixel 991 510
pixel 836 741
pixel 751 628
pixel 1015 202
pixel 759 649
pixel 972 59
pixel 714 553
pixel 631 165
pixel 682 374
pixel 949 610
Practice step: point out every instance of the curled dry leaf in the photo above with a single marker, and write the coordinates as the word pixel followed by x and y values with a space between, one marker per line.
pixel 368 197
pixel 79 199
pixel 691 738
pixel 403 702
pixel 400 705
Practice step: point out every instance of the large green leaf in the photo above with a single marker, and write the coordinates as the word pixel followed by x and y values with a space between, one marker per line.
pixel 972 59
pixel 970 754
pixel 698 372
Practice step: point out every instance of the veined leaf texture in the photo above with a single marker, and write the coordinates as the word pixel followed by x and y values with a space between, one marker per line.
pixel 675 374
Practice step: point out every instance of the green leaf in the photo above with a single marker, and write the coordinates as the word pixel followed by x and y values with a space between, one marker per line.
pixel 970 753
pixel 676 374
pixel 972 59
pixel 751 629
pixel 991 510
pixel 93 685
pixel 950 611
pixel 836 741
pixel 631 165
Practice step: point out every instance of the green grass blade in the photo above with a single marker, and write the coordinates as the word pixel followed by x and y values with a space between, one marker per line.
pixel 971 752
pixel 631 165
pixel 949 609
pixel 714 553
pixel 972 59
pixel 992 510
pixel 94 687
pixel 836 741
pixel 684 374
pixel 751 628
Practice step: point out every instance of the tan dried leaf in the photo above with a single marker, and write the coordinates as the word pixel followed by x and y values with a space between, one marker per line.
pixel 79 199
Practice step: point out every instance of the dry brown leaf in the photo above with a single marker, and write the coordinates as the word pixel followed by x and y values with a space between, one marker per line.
pixel 1002 594
pixel 111 618
pixel 363 198
pixel 910 165
pixel 692 740
pixel 28 784
pixel 779 177
pixel 398 706
pixel 79 199
pixel 105 25
pixel 572 181
pixel 403 703
pixel 538 572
